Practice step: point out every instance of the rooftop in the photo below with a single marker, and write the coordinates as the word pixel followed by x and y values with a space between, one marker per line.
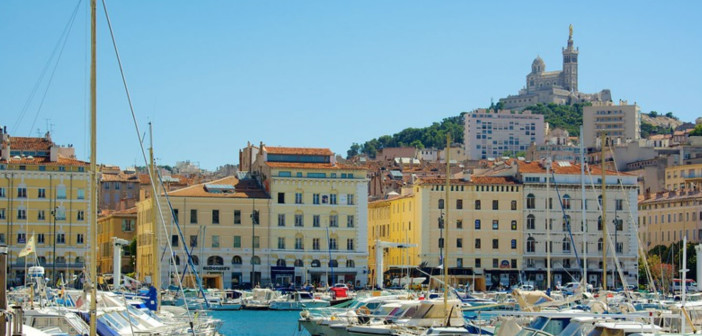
pixel 25 143
pixel 298 151
pixel 242 189
pixel 561 168
pixel 300 165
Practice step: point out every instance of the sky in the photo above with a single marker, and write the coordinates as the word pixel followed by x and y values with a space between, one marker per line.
pixel 214 75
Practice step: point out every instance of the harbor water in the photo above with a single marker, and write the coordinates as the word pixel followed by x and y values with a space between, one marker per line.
pixel 258 323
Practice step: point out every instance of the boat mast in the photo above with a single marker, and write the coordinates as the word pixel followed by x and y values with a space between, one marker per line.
pixel 582 206
pixel 156 273
pixel 93 171
pixel 549 203
pixel 604 213
pixel 446 226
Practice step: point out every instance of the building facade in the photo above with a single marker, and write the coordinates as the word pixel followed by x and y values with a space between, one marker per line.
pixel 553 220
pixel 318 216
pixel 667 217
pixel 44 192
pixel 492 134
pixel 119 190
pixel 116 224
pixel 621 123
pixel 684 177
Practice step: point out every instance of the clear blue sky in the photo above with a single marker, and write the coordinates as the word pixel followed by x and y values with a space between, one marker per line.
pixel 212 75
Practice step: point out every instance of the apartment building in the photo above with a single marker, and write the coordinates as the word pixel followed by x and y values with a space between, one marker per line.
pixel 493 134
pixel 666 217
pixel 621 123
pixel 116 224
pixel 683 177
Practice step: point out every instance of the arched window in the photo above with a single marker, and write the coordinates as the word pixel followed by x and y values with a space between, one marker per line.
pixel 280 263
pixel 531 245
pixel 531 201
pixel 333 263
pixel 566 245
pixel 599 244
pixel 60 260
pixel 531 222
pixel 256 260
pixel 315 263
pixel 299 263
pixel 350 263
pixel 196 260
pixel 215 261
pixel 566 201
pixel 236 260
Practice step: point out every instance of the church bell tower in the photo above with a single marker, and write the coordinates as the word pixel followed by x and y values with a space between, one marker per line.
pixel 570 64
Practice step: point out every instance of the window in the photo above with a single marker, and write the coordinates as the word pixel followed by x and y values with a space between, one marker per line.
pixel 2 192
pixel 531 245
pixel 477 224
pixel 280 263
pixel 174 240
pixel 599 223
pixel 619 247
pixel 349 200
pixel 281 198
pixel 495 263
pixel 459 242
pixel 298 198
pixel 315 244
pixel 256 242
pixel 333 221
pixel 255 217
pixel 459 262
pixel 566 245
pixel 21 214
pixel 459 224
pixel 21 238
pixel 531 201
pixel 299 263
pixel 513 225
pixel 349 221
pixel 495 243
pixel 315 198
pixel 599 244
pixel 332 199
pixel 350 264
pixel 299 220
pixel 40 238
pixel 513 205
pixel 332 244
pixel 495 205
pixel 41 193
pixel 237 242
pixel 60 238
pixel 315 263
pixel 215 241
pixel 477 263
pixel 618 224
pixel 514 263
pixel 477 204
pixel 513 244
pixel 441 203
pixel 127 225
pixel 349 244
pixel 61 192
pixel 237 216
pixel 21 192
pixel 441 242
pixel 566 202
pixel 41 215
pixel 60 213
pixel 477 243
pixel 315 221
pixel 281 219
pixel 175 216
pixel 459 204
pixel 619 204
pixel 256 260
pixel 215 216
pixel 193 241
pixel 495 224
pixel 281 243
pixel 193 216
pixel 299 243
pixel 2 213
pixel 441 222
pixel 80 215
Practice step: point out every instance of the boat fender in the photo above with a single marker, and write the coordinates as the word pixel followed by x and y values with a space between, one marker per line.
pixel 305 314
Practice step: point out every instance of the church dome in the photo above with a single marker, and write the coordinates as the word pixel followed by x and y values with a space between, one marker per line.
pixel 538 65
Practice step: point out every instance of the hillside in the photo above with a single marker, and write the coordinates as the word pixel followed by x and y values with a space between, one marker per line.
pixel 660 120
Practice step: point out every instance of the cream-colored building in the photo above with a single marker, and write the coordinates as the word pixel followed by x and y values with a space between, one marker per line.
pixel 116 224
pixel 666 217
pixel 44 192
pixel 217 224
pixel 483 233
pixel 318 216
pixel 620 122
pixel 684 177
pixel 395 220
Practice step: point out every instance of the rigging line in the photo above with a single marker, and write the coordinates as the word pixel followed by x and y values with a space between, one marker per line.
pixel 632 222
pixel 566 220
pixel 27 102
pixel 141 147
pixel 53 72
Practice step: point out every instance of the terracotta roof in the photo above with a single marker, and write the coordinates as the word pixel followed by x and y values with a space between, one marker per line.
pixel 121 177
pixel 127 212
pixel 298 151
pixel 473 180
pixel 23 143
pixel 669 196
pixel 571 169
pixel 43 161
pixel 298 165
pixel 244 189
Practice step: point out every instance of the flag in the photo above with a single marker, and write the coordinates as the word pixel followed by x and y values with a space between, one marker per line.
pixel 29 249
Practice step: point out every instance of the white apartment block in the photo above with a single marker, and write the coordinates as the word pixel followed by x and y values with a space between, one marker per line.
pixel 621 123
pixel 490 134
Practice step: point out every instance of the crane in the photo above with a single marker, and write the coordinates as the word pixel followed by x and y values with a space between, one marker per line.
pixel 379 246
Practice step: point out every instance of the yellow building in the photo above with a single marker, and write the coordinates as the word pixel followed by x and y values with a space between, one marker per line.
pixel 318 216
pixel 120 224
pixel 215 219
pixel 43 192
pixel 685 177
pixel 666 217
pixel 395 220
pixel 484 237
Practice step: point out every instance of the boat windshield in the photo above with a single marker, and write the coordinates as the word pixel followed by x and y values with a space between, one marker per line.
pixel 538 323
pixel 556 325
pixel 576 329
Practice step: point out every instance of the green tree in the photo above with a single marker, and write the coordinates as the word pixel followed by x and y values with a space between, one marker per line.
pixel 697 131
pixel 653 114
pixel 353 151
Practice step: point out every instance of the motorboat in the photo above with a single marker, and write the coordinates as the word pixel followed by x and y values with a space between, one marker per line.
pixel 297 300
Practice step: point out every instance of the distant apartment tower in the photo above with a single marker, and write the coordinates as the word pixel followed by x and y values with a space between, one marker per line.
pixel 490 134
pixel 621 123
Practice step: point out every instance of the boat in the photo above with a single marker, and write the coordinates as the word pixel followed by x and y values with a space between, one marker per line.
pixel 260 299
pixel 297 300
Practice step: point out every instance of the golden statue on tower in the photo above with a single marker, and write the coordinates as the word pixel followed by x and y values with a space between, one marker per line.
pixel 570 31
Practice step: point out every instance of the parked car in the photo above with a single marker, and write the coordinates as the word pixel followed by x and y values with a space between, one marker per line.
pixel 570 287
